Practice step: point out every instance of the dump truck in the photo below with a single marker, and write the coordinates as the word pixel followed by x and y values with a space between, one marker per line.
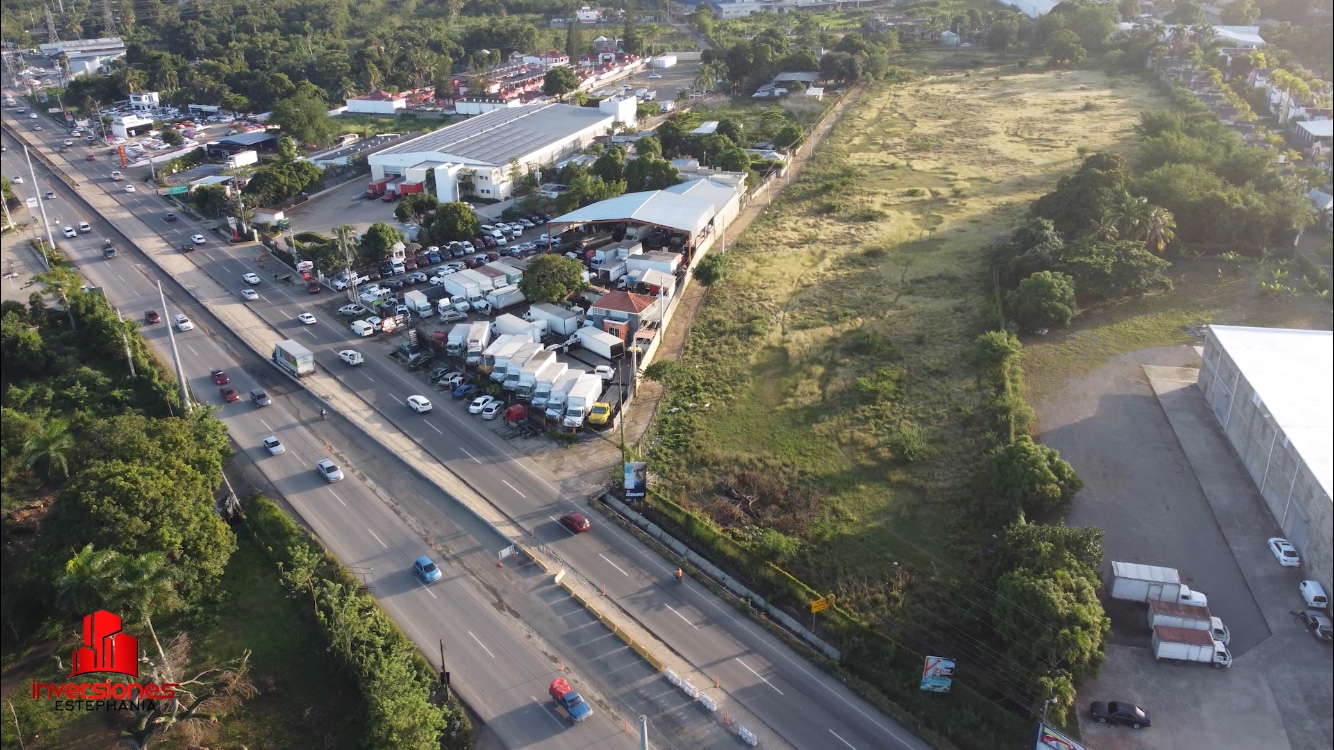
pixel 294 358
pixel 1186 616
pixel 1183 645
pixel 568 701
pixel 1142 583
pixel 580 399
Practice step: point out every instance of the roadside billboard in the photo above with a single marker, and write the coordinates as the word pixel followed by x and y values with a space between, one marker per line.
pixel 937 674
pixel 636 480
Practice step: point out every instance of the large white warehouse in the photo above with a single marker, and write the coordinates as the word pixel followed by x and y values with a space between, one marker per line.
pixel 483 148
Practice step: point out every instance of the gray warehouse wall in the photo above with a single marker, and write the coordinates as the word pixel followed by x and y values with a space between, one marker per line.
pixel 1294 496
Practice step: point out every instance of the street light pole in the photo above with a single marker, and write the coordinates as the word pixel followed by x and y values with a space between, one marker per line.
pixel 51 242
pixel 186 406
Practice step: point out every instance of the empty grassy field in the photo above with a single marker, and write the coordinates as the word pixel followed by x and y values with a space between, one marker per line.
pixel 834 399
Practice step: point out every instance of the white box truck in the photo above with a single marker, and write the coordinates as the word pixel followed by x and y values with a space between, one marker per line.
pixel 496 364
pixel 561 391
pixel 456 342
pixel 533 370
pixel 479 335
pixel 666 105
pixel 504 298
pixel 514 326
pixel 461 287
pixel 1183 645
pixel 544 381
pixel 294 358
pixel 418 304
pixel 580 399
pixel 560 321
pixel 600 342
pixel 1142 583
pixel 543 393
pixel 515 364
pixel 1185 616
pixel 498 343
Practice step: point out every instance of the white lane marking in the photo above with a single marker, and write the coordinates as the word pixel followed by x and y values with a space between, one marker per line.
pixel 339 499
pixel 437 429
pixel 122 279
pixel 507 484
pixel 554 718
pixel 614 565
pixel 266 424
pixel 840 739
pixel 192 350
pixel 382 544
pixel 428 589
pixel 470 455
pixel 696 627
pixel 483 645
pixel 558 523
pixel 757 674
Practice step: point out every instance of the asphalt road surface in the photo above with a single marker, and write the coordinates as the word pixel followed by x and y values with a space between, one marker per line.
pixel 799 702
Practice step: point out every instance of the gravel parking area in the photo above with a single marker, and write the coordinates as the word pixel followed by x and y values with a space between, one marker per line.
pixel 1163 484
pixel 343 205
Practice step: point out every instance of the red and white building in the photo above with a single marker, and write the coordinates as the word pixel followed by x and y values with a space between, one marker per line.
pixel 377 103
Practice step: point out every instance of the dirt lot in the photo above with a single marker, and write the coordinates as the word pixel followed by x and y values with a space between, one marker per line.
pixel 869 266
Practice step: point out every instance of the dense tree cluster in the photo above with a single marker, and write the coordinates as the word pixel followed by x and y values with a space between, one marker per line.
pixel 276 182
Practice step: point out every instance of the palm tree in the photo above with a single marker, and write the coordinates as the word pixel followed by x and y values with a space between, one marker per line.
pixel 130 79
pixel 704 80
pixel 1159 229
pixel 88 578
pixel 1177 39
pixel 50 450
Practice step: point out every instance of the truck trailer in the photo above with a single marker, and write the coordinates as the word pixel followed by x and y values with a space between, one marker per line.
pixel 600 342
pixel 560 321
pixel 294 358
pixel 1185 616
pixel 464 288
pixel 1183 645
pixel 504 298
pixel 1142 583
pixel 515 326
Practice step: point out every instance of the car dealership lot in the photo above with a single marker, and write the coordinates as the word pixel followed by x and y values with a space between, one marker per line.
pixel 1164 485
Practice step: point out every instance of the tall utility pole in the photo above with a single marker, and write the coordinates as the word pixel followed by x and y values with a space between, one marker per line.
pixel 108 19
pixel 51 35
pixel 344 233
pixel 51 241
pixel 175 354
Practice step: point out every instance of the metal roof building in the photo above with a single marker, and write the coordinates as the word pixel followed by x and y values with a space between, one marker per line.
pixel 1272 391
pixel 654 207
pixel 531 135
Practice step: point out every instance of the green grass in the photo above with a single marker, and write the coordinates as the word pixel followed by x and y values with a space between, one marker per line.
pixel 1206 292
pixel 834 360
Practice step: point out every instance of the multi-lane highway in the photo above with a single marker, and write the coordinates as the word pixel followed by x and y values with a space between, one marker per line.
pixel 799 703
pixel 501 674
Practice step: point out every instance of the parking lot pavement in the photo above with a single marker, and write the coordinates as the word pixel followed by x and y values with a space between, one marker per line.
pixel 345 205
pixel 1178 498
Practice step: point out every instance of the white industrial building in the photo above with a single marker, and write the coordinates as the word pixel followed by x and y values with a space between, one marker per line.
pixel 698 208
pixel 86 56
pixel 377 102
pixel 1272 391
pixel 130 125
pixel 483 148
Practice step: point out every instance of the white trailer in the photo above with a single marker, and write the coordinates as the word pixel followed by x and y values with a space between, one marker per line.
pixel 464 287
pixel 530 373
pixel 544 392
pixel 600 342
pixel 560 321
pixel 504 298
pixel 663 61
pixel 1177 615
pixel 1142 583
pixel 1183 645
pixel 510 325
pixel 479 335
pixel 515 365
pixel 484 283
pixel 580 399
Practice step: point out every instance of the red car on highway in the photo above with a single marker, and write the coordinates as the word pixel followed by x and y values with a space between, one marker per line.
pixel 220 377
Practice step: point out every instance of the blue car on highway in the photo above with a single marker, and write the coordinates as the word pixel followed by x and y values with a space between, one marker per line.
pixel 465 391
pixel 426 570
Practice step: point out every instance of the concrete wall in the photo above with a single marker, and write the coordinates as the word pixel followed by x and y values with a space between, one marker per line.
pixel 1294 496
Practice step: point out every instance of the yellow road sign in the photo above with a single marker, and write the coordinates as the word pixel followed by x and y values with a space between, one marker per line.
pixel 819 605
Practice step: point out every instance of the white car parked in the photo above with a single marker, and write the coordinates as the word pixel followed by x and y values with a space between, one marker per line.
pixel 479 404
pixel 1284 552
